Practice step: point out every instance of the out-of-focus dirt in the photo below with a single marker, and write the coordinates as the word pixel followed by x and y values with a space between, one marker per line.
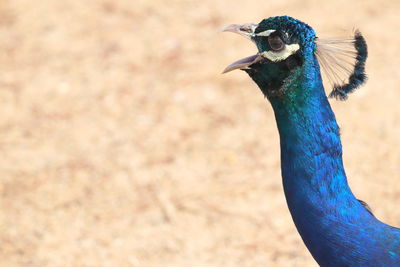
pixel 122 145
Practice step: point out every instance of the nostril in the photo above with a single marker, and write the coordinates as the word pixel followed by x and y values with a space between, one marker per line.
pixel 246 28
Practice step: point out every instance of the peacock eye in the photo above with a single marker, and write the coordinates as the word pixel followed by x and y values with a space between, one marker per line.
pixel 276 43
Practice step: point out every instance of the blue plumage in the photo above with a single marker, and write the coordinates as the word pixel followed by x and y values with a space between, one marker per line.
pixel 336 227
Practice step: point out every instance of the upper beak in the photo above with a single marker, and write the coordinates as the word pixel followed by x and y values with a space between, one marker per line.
pixel 246 30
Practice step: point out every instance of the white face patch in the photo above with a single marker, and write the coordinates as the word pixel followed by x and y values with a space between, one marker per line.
pixel 265 33
pixel 276 56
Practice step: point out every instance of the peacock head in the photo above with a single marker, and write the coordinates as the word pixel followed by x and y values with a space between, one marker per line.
pixel 288 51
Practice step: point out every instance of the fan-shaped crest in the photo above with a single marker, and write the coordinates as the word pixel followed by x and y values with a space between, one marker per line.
pixel 343 61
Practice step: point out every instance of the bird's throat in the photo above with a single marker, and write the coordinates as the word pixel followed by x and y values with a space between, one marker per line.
pixel 318 196
pixel 311 151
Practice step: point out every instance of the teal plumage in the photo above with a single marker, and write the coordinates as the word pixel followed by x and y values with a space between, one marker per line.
pixel 337 228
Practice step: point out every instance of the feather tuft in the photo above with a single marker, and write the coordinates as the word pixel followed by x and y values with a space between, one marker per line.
pixel 343 59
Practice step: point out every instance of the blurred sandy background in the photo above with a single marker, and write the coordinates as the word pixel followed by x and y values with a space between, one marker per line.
pixel 122 145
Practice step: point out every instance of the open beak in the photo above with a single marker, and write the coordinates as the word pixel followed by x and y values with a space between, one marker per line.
pixel 246 30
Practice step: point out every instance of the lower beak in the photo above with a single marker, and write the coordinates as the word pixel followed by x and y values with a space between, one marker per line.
pixel 246 30
pixel 243 63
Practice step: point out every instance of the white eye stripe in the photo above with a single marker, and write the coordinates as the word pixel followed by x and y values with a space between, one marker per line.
pixel 265 33
pixel 276 56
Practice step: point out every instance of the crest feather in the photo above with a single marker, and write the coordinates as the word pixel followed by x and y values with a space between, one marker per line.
pixel 343 61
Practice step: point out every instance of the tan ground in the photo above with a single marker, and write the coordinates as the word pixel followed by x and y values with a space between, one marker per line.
pixel 122 145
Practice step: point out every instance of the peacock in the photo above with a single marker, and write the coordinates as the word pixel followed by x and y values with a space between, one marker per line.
pixel 336 227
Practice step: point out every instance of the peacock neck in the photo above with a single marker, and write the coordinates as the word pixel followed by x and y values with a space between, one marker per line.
pixel 311 153
pixel 318 196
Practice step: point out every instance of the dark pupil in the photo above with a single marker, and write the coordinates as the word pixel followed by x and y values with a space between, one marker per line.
pixel 275 42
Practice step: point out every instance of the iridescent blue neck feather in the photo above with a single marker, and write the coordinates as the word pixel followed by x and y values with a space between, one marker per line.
pixel 337 229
